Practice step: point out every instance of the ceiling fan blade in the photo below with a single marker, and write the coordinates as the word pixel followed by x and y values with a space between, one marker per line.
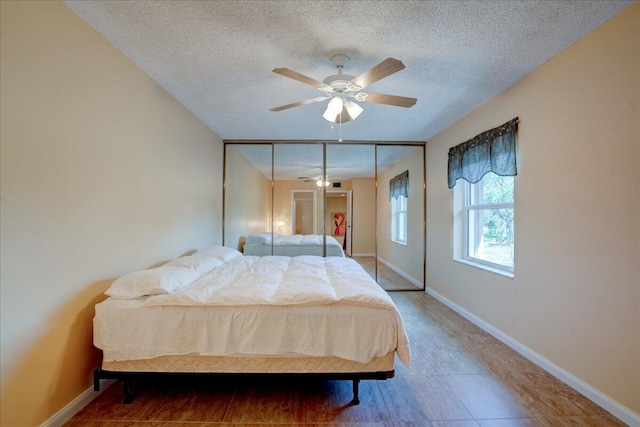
pixel 378 98
pixel 378 72
pixel 299 103
pixel 299 77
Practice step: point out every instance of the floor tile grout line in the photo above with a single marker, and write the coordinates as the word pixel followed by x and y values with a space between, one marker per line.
pixel 386 406
pixel 454 394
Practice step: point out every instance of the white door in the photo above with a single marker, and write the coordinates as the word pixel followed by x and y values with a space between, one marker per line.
pixel 303 212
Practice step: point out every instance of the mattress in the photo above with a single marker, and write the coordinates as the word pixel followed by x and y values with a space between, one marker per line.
pixel 298 244
pixel 281 307
pixel 127 330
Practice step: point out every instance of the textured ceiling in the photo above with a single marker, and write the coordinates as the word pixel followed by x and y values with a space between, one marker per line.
pixel 216 57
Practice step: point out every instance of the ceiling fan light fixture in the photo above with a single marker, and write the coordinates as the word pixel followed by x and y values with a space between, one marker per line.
pixel 333 109
pixel 329 115
pixel 319 183
pixel 336 104
pixel 353 109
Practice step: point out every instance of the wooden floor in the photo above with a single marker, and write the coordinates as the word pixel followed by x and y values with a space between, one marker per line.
pixel 460 377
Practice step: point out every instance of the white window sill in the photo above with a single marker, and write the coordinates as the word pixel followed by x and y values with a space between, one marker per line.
pixel 400 243
pixel 488 268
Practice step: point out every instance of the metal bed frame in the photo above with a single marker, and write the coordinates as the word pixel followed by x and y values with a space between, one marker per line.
pixel 127 378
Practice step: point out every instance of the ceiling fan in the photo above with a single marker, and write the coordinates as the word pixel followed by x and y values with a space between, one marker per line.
pixel 340 88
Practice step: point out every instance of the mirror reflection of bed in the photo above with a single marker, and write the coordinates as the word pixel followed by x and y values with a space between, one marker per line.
pixel 329 199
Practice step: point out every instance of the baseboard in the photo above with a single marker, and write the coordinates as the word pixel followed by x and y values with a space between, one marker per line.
pixel 354 255
pixel 400 272
pixel 623 413
pixel 66 413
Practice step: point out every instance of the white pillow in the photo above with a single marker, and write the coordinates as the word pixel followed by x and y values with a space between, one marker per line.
pixel 161 280
pixel 201 263
pixel 221 252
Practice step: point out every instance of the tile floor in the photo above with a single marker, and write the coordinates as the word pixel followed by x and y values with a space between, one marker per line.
pixel 387 278
pixel 460 377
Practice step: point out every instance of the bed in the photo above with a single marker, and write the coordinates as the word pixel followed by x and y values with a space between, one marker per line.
pixel 249 315
pixel 297 244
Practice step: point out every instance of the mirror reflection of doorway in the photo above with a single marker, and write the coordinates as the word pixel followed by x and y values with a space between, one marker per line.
pixel 303 211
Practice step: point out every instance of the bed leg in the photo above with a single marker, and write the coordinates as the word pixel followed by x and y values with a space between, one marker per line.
pixel 127 390
pixel 356 384
pixel 96 379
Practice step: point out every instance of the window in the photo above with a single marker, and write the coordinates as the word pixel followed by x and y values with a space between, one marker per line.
pixel 488 221
pixel 399 219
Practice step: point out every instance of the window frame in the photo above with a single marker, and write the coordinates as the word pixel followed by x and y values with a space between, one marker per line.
pixel 467 207
pixel 396 213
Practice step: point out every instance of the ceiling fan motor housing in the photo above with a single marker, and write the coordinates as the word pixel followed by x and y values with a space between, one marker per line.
pixel 338 81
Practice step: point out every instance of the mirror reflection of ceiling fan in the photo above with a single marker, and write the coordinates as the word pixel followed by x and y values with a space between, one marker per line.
pixel 342 88
pixel 317 179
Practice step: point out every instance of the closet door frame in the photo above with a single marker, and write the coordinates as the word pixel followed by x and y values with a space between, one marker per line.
pixel 376 145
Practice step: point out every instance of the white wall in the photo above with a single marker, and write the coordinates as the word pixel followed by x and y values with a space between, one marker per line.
pixel 102 173
pixel 575 295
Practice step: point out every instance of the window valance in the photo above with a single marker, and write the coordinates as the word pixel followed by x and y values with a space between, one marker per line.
pixel 399 185
pixel 491 151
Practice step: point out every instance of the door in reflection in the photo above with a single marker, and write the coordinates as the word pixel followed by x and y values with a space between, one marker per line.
pixel 303 215
pixel 298 186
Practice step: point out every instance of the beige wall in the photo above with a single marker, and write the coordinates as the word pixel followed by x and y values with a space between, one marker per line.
pixel 248 200
pixel 364 219
pixel 408 258
pixel 575 295
pixel 102 173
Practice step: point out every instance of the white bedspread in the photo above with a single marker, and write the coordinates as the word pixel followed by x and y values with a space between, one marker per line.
pixel 308 306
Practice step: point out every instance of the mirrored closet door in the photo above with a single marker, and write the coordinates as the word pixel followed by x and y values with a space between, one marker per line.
pixel 360 200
